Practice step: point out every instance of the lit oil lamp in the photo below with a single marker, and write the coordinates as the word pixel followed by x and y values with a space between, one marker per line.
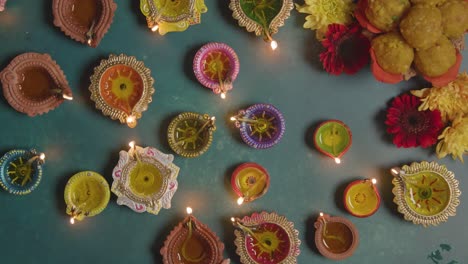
pixel 333 138
pixel 250 181
pixel 361 198
pixel 336 237
pixel 21 171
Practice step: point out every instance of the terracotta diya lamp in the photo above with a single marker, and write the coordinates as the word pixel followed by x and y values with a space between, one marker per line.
pixel 86 21
pixel 21 171
pixel 361 198
pixel 266 238
pixel 426 193
pixel 336 237
pixel 216 66
pixel 250 181
pixel 168 15
pixel 2 5
pixel 261 125
pixel 122 88
pixel 86 194
pixel 262 17
pixel 192 242
pixel 34 84
pixel 333 138
pixel 145 179
pixel 190 134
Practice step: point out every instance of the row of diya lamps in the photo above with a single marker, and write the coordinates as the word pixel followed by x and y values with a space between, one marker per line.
pixel 87 21
pixel 145 180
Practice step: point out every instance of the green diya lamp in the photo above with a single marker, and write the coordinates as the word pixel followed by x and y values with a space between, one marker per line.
pixel 192 242
pixel 250 181
pixel 21 171
pixel 265 238
pixel 336 237
pixel 171 16
pixel 333 138
pixel 426 193
pixel 86 194
pixel 190 134
pixel 361 198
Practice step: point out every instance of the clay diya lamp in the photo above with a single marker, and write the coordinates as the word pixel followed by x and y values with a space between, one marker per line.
pixel 361 198
pixel 426 193
pixel 192 242
pixel 21 171
pixel 86 21
pixel 262 17
pixel 265 238
pixel 86 194
pixel 2 5
pixel 261 125
pixel 333 138
pixel 145 179
pixel 250 181
pixel 216 66
pixel 34 84
pixel 190 134
pixel 169 16
pixel 122 88
pixel 336 237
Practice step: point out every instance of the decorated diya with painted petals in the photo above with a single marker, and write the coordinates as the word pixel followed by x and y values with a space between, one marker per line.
pixel 266 238
pixel 263 17
pixel 361 198
pixel 426 193
pixel 86 194
pixel 172 15
pixel 145 179
pixel 333 138
pixel 335 237
pixel 192 242
pixel 86 21
pixel 261 125
pixel 250 181
pixel 122 88
pixel 34 84
pixel 216 66
pixel 190 134
pixel 21 171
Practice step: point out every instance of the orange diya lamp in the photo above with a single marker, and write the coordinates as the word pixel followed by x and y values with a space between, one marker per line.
pixel 361 198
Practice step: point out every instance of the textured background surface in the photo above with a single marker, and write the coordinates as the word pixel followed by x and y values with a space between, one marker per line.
pixel 76 137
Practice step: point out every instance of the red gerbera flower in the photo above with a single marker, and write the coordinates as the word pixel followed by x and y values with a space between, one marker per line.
pixel 411 127
pixel 347 49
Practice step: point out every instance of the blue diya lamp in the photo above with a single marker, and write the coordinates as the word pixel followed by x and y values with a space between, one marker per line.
pixel 21 171
pixel 261 125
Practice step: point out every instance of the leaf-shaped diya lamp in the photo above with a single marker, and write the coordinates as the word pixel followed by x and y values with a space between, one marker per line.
pixel 21 171
pixel 426 193
pixel 192 242
pixel 250 181
pixel 333 138
pixel 361 198
pixel 216 66
pixel 145 179
pixel 86 194
pixel 85 21
pixel 336 237
pixel 172 15
pixel 266 238
pixel 122 88
pixel 34 84
pixel 263 17
pixel 190 134
pixel 261 125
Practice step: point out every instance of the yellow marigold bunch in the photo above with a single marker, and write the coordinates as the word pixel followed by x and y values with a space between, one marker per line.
pixel 454 139
pixel 450 100
pixel 325 12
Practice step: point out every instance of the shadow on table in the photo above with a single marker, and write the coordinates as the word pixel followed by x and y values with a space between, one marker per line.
pixel 135 7
pixel 310 233
pixel 162 132
pixel 229 236
pixel 187 66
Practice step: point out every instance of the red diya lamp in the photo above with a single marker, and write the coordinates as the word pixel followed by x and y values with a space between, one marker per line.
pixel 361 198
pixel 336 237
pixel 250 181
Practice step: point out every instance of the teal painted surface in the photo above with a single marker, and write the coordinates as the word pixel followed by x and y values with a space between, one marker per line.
pixel 76 137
